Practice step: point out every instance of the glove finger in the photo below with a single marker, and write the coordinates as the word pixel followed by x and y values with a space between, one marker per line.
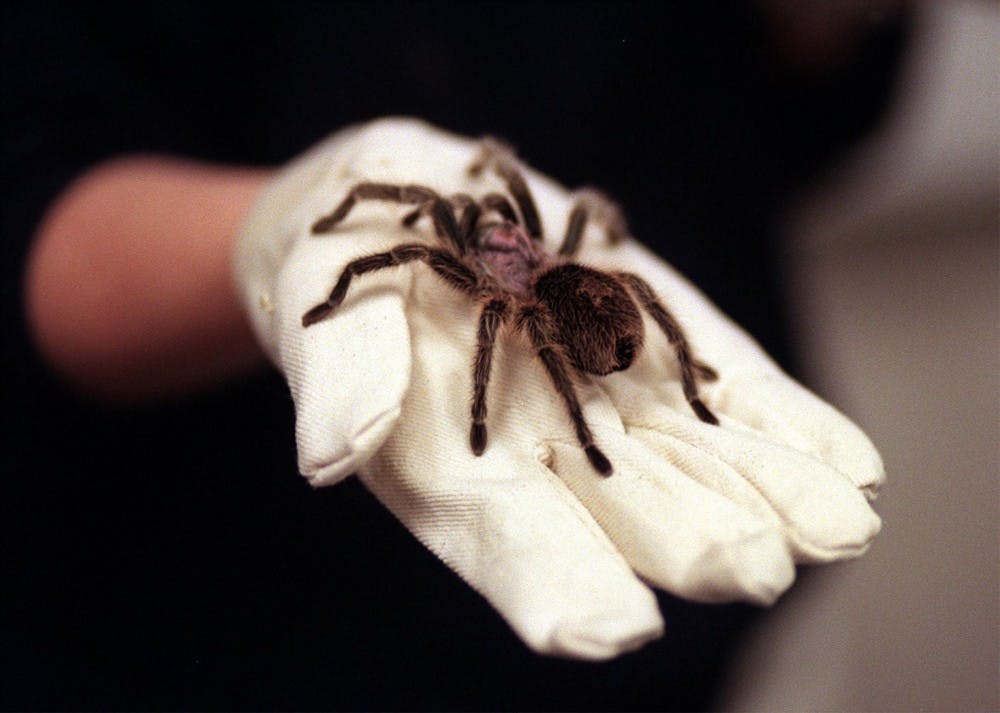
pixel 762 398
pixel 676 533
pixel 823 517
pixel 348 373
pixel 512 531
pixel 786 412
pixel 502 520
pixel 751 388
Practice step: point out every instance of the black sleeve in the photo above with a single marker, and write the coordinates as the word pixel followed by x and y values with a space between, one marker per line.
pixel 168 556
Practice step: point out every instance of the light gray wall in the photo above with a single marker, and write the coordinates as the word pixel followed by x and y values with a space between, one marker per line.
pixel 894 266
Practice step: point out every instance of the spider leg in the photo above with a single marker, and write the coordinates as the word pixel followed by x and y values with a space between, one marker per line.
pixel 519 189
pixel 470 218
pixel 445 225
pixel 459 200
pixel 592 203
pixel 574 229
pixel 444 220
pixel 408 194
pixel 446 265
pixel 501 157
pixel 536 322
pixel 689 366
pixel 494 314
pixel 499 203
pixel 412 217
pixel 457 233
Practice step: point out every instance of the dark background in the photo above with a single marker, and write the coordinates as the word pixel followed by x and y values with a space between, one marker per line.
pixel 168 556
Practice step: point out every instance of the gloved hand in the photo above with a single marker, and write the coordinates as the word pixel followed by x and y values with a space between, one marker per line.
pixel 382 388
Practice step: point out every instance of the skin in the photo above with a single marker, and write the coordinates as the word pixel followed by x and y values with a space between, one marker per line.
pixel 128 285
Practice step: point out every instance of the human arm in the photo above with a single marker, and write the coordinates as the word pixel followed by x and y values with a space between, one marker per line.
pixel 128 284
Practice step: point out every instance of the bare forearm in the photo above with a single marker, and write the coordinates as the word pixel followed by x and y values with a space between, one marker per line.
pixel 129 293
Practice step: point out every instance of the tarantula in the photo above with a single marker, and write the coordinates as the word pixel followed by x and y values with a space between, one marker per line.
pixel 576 317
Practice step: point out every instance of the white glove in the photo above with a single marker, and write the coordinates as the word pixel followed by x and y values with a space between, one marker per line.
pixel 382 388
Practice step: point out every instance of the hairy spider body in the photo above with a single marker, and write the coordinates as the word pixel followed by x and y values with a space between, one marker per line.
pixel 594 317
pixel 576 318
pixel 505 253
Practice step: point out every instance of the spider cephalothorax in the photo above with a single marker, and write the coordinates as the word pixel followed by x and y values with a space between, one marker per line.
pixel 575 317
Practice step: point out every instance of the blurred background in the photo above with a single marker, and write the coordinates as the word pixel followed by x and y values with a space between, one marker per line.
pixel 825 171
pixel 892 267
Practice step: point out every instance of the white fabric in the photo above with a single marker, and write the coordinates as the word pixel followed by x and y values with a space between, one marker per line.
pixel 382 388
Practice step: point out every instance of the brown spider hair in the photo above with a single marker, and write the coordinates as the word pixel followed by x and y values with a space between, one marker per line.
pixel 577 318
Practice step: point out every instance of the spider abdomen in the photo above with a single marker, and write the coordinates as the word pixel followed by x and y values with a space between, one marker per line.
pixel 595 318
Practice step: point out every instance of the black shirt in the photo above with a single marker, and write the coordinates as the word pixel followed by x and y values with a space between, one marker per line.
pixel 169 556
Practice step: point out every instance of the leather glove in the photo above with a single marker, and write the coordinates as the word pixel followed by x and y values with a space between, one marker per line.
pixel 382 388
